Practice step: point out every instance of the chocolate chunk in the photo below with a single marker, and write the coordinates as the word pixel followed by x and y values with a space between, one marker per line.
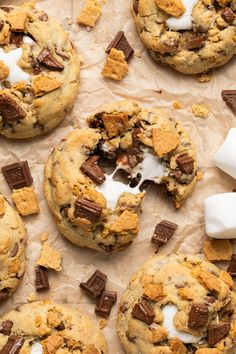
pixel 13 345
pixel 60 327
pixel 144 312
pixel 47 59
pixel 92 169
pixel 135 6
pixel 198 316
pixel 4 294
pixel 228 14
pixel 1 25
pixel 130 158
pixel 18 175
pixel 232 266
pixel 14 250
pixel 229 96
pixel 196 41
pixel 87 210
pixel 163 232
pixel 95 285
pixel 17 38
pixel 216 332
pixel 10 110
pixel 105 302
pixel 120 43
pixel 41 278
pixel 185 164
pixel 43 17
pixel 5 327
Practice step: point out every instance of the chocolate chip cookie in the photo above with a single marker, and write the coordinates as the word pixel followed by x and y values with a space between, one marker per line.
pixel 96 177
pixel 12 249
pixel 44 327
pixel 39 72
pixel 178 304
pixel 192 36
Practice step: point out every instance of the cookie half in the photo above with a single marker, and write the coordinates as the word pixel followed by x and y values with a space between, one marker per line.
pixel 39 72
pixel 12 249
pixel 192 36
pixel 95 177
pixel 178 304
pixel 44 327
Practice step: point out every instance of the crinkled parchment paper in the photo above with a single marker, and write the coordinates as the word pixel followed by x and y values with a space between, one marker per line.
pixel 143 82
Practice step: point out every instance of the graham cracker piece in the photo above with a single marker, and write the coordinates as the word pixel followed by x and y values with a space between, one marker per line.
pixel 4 71
pixel 186 294
pixel 17 20
pixel 44 84
pixel 25 200
pixel 50 258
pixel 164 141
pixel 200 110
pixel 116 66
pixel 5 34
pixel 227 279
pixel 2 205
pixel 90 13
pixel 127 222
pixel 52 343
pixel 44 237
pixel 159 334
pixel 218 250
pixel 154 292
pixel 115 123
pixel 177 346
pixel 206 278
pixel 208 351
pixel 172 7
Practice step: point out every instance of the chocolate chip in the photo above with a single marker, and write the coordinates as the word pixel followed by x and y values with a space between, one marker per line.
pixel 41 278
pixel 17 38
pixel 1 25
pixel 185 163
pixel 14 250
pixel 229 96
pixel 228 14
pixel 47 59
pixel 4 294
pixel 95 285
pixel 216 332
pixel 10 110
pixel 232 266
pixel 18 175
pixel 135 6
pixel 92 169
pixel 163 232
pixel 87 210
pixel 198 316
pixel 5 327
pixel 120 43
pixel 60 327
pixel 105 302
pixel 13 345
pixel 196 41
pixel 143 312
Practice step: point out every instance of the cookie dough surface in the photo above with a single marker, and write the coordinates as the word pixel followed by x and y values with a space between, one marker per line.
pixel 202 297
pixel 210 41
pixel 43 69
pixel 51 328
pixel 12 249
pixel 103 214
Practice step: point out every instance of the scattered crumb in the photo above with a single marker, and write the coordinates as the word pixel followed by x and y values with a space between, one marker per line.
pixel 102 323
pixel 200 175
pixel 200 110
pixel 50 258
pixel 90 13
pixel 2 205
pixel 31 297
pixel 116 66
pixel 204 77
pixel 25 200
pixel 176 105
pixel 218 250
pixel 44 237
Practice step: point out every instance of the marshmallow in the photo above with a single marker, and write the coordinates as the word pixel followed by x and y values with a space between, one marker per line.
pixel 183 22
pixel 169 312
pixel 225 157
pixel 220 215
pixel 10 59
pixel 36 348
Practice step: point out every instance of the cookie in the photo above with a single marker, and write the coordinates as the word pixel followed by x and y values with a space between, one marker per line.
pixel 178 304
pixel 40 70
pixel 94 177
pixel 12 249
pixel 192 36
pixel 43 326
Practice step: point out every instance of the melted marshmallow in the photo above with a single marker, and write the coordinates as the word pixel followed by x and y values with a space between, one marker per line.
pixel 169 312
pixel 37 348
pixel 10 59
pixel 183 22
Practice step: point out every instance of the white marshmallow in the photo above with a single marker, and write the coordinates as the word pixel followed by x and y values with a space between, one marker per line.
pixel 225 157
pixel 183 22
pixel 169 312
pixel 37 348
pixel 10 59
pixel 220 215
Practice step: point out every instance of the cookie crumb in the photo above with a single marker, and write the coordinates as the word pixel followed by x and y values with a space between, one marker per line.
pixel 4 71
pixel 2 205
pixel 176 105
pixel 102 323
pixel 116 66
pixel 31 297
pixel 50 258
pixel 90 13
pixel 44 237
pixel 200 110
pixel 26 201
pixel 218 250
pixel 206 77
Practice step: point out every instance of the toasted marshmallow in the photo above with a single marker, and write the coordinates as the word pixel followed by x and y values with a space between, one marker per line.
pixel 225 157
pixel 37 348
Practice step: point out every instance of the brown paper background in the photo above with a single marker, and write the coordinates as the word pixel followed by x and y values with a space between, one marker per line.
pixel 144 80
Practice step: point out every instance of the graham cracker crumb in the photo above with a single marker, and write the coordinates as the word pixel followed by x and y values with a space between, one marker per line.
pixel 2 205
pixel 154 292
pixel 25 200
pixel 44 237
pixel 177 346
pixel 115 123
pixel 164 141
pixel 116 66
pixel 50 258
pixel 208 279
pixel 102 323
pixel 159 333
pixel 186 294
pixel 4 71
pixel 200 110
pixel 31 297
pixel 176 105
pixel 90 13
pixel 218 250
pixel 44 84
pixel 204 77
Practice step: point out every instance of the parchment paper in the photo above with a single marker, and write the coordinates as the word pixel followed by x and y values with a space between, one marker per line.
pixel 144 81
